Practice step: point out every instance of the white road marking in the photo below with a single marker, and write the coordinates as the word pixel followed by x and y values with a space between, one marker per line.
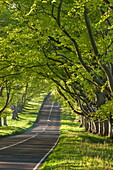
pixel 38 164
pixel 17 143
pixel 44 129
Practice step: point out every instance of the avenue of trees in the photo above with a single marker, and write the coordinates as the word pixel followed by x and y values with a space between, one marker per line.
pixel 66 45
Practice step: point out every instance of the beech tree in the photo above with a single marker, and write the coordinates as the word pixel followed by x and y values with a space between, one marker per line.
pixel 16 74
pixel 68 43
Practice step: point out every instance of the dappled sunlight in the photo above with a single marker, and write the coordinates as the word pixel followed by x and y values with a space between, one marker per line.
pixel 30 149
pixel 25 120
pixel 93 138
pixel 10 165
pixel 79 150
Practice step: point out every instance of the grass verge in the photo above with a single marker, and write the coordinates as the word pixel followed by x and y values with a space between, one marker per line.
pixel 26 118
pixel 79 150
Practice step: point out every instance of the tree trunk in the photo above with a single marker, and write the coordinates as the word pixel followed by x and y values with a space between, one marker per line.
pixel 86 124
pixel 5 121
pixel 105 128
pixel 94 127
pixel 100 131
pixel 111 128
pixel 0 121
pixel 97 127
pixel 15 112
pixel 20 108
pixel 89 127
pixel 81 121
pixel 14 115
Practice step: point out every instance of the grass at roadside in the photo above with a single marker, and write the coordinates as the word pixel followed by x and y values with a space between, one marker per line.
pixel 79 150
pixel 26 118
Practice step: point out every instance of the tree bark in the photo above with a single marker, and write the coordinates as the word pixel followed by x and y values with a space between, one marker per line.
pixel 100 132
pixel 105 128
pixel 5 121
pixel 86 124
pixel 0 121
pixel 94 127
pixel 111 128
pixel 81 121
pixel 89 127
pixel 15 112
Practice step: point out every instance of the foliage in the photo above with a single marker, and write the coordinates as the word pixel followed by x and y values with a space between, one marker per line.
pixel 105 111
pixel 66 44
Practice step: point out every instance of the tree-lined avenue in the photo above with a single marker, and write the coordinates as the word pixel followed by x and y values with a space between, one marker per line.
pixel 27 150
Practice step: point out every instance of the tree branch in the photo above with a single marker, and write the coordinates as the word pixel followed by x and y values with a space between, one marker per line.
pixel 71 106
pixel 59 12
pixel 88 25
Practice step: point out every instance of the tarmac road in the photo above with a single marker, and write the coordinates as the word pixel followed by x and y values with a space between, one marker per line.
pixel 28 151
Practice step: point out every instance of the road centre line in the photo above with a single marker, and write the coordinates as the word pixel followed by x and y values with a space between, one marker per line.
pixel 44 129
pixel 38 164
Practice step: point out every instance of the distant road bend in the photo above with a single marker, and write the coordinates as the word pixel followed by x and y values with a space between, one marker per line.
pixel 28 151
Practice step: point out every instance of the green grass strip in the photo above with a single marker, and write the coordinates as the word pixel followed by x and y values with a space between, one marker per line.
pixel 26 119
pixel 79 150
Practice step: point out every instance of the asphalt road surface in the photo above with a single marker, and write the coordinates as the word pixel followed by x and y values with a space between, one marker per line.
pixel 28 151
